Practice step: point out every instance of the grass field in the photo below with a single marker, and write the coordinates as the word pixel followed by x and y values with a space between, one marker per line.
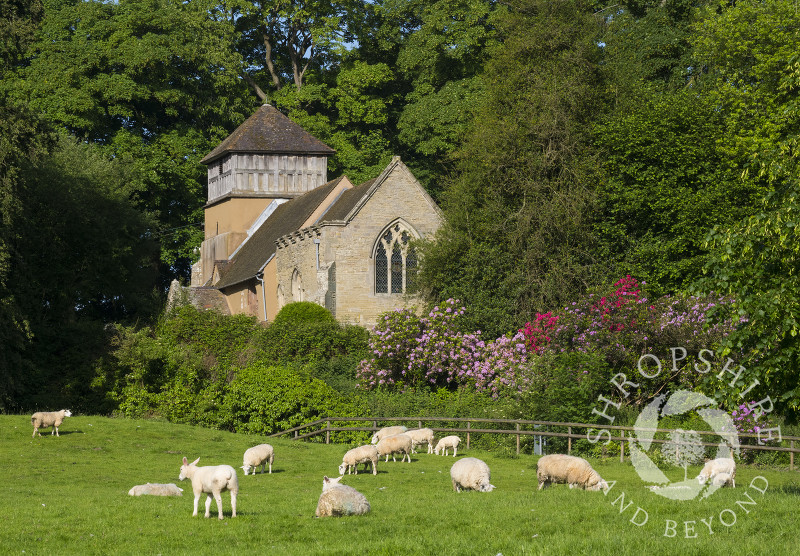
pixel 68 495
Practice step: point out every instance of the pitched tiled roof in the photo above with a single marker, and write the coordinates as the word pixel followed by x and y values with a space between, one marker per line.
pixel 345 203
pixel 269 131
pixel 287 218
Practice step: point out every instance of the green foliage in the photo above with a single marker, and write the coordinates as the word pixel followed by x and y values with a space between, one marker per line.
pixel 518 234
pixel 300 312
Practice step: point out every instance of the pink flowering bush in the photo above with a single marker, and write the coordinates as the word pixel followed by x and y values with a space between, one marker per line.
pixel 410 351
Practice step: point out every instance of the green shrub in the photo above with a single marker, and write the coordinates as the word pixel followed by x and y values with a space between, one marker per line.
pixel 305 341
pixel 266 400
pixel 303 311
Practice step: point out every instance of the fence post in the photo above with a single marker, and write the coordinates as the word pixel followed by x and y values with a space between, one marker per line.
pixel 328 431
pixel 517 439
pixel 468 426
pixel 420 424
pixel 569 440
pixel 791 456
pixel 622 446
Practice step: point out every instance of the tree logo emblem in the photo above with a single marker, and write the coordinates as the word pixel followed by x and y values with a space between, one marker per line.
pixel 683 448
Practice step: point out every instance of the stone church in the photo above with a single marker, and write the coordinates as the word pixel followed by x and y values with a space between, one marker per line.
pixel 277 231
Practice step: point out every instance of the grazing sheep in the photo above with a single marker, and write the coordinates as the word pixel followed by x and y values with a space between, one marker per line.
pixel 471 474
pixel 445 443
pixel 44 419
pixel 723 480
pixel 257 456
pixel 337 500
pixel 387 431
pixel 574 471
pixel 421 436
pixel 718 466
pixel 213 480
pixel 155 489
pixel 362 454
pixel 397 444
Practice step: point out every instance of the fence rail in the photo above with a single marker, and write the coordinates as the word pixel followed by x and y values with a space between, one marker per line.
pixel 324 426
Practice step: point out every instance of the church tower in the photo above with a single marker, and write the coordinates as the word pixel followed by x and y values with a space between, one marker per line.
pixel 265 162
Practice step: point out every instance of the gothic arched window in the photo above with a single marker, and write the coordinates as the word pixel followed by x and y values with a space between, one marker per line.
pixel 297 286
pixel 394 259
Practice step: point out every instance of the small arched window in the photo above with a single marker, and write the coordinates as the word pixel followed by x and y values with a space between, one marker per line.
pixel 395 260
pixel 297 286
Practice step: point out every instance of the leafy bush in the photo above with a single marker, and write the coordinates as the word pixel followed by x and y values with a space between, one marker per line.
pixel 265 400
pixel 305 341
pixel 303 311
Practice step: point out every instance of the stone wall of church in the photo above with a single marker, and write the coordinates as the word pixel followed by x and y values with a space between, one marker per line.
pixel 399 198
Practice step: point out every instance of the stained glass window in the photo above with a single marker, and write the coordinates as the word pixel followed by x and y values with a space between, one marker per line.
pixel 381 270
pixel 394 260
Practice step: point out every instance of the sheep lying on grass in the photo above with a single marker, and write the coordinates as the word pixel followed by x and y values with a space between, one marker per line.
pixel 445 443
pixel 213 480
pixel 256 456
pixel 471 474
pixel 156 489
pixel 387 431
pixel 716 467
pixel 363 454
pixel 44 419
pixel 421 436
pixel 574 471
pixel 337 500
pixel 397 444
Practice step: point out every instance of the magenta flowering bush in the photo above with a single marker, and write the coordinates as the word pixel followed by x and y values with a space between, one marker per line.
pixel 744 418
pixel 410 351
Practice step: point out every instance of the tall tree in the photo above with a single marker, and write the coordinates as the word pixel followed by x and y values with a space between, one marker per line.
pixel 518 236
pixel 156 82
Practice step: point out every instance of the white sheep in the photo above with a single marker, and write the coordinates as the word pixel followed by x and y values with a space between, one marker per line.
pixel 722 480
pixel 714 467
pixel 421 436
pixel 396 444
pixel 445 443
pixel 256 456
pixel 337 500
pixel 471 474
pixel 44 419
pixel 387 431
pixel 572 470
pixel 363 454
pixel 156 489
pixel 213 480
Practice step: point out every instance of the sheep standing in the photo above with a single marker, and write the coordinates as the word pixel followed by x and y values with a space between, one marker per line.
pixel 156 489
pixel 337 500
pixel 574 471
pixel 363 454
pixel 396 444
pixel 44 419
pixel 445 443
pixel 387 431
pixel 421 436
pixel 716 467
pixel 213 480
pixel 256 456
pixel 471 474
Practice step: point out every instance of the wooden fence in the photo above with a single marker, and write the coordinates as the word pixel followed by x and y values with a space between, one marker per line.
pixel 524 428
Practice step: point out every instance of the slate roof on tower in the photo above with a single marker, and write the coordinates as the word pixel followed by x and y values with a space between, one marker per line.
pixel 269 131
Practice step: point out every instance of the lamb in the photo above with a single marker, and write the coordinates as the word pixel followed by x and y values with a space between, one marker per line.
pixel 471 474
pixel 421 436
pixel 44 419
pixel 387 431
pixel 257 456
pixel 396 444
pixel 722 480
pixel 445 443
pixel 574 471
pixel 337 500
pixel 716 467
pixel 362 454
pixel 155 489
pixel 211 479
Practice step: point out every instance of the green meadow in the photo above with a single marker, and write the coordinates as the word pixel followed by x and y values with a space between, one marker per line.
pixel 69 495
